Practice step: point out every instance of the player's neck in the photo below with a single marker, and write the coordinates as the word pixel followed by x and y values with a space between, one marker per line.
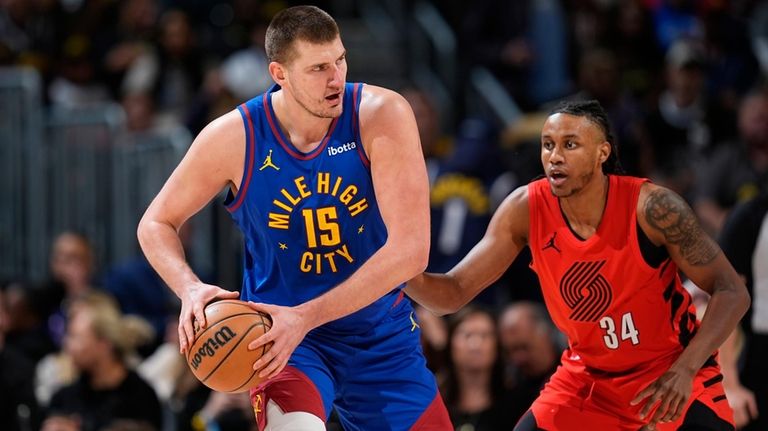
pixel 585 208
pixel 304 130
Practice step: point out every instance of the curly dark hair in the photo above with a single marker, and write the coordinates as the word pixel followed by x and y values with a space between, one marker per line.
pixel 594 112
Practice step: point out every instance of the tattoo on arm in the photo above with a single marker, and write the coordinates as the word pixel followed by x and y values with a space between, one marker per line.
pixel 670 215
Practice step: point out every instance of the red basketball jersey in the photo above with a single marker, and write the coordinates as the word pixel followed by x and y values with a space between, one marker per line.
pixel 617 311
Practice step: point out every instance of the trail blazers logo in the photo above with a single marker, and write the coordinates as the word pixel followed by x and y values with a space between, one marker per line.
pixel 585 291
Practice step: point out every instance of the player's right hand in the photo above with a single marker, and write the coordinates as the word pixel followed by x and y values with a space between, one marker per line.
pixel 193 301
pixel 743 403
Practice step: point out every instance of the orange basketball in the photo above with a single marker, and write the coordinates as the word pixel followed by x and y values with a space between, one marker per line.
pixel 219 356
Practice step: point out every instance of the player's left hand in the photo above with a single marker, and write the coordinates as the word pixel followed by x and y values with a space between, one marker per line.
pixel 288 329
pixel 671 391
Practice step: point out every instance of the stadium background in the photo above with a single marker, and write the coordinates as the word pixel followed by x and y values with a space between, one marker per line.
pixel 99 99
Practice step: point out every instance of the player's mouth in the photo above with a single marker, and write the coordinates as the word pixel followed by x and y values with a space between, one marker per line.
pixel 557 177
pixel 334 98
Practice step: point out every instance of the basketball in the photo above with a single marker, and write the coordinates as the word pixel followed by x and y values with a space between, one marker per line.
pixel 219 356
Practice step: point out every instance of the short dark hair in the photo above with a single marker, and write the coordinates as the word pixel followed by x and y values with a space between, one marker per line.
pixel 308 23
pixel 594 112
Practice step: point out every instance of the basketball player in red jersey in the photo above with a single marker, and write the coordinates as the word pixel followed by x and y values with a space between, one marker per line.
pixel 607 249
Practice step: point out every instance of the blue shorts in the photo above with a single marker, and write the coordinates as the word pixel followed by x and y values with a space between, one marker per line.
pixel 377 380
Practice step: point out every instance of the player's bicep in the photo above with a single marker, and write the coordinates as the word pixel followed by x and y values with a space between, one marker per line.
pixel 505 236
pixel 397 169
pixel 667 219
pixel 214 160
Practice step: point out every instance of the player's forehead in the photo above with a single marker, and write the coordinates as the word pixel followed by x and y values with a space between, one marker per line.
pixel 309 53
pixel 560 125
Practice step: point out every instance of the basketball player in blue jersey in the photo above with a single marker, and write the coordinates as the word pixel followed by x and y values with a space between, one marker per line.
pixel 327 182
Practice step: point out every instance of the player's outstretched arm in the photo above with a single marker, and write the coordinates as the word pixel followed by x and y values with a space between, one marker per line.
pixel 667 219
pixel 506 235
pixel 214 161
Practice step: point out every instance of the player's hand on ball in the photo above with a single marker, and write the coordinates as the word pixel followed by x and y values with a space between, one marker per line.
pixel 193 302
pixel 671 391
pixel 288 329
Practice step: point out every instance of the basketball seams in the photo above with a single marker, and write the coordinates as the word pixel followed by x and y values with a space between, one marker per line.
pixel 263 351
pixel 222 319
pixel 198 337
pixel 245 382
pixel 264 347
pixel 250 328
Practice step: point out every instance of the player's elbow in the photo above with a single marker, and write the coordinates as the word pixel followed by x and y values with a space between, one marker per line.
pixel 146 230
pixel 142 230
pixel 416 259
pixel 448 308
pixel 744 300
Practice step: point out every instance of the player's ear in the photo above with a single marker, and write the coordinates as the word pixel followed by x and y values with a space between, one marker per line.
pixel 605 151
pixel 277 71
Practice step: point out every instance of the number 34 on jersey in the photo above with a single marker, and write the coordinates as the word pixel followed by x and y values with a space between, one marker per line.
pixel 325 250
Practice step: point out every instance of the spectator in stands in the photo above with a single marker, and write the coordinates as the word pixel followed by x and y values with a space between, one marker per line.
pixel 72 267
pixel 128 44
pixel 678 128
pixel 675 19
pixel 744 240
pixel 139 111
pixel 473 389
pixel 225 412
pixel 240 77
pixel 737 171
pixel 180 64
pixel 101 343
pixel 523 43
pixel 26 326
pixel 599 79
pixel 632 37
pixel 434 340
pixel 18 407
pixel 77 82
pixel 434 145
pixel 759 35
pixel 531 346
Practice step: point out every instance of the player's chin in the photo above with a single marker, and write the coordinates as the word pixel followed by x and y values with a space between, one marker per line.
pixel 560 191
pixel 332 111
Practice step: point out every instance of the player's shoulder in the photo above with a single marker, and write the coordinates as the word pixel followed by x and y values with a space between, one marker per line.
pixel 517 199
pixel 513 212
pixel 660 209
pixel 221 142
pixel 227 127
pixel 653 195
pixel 379 102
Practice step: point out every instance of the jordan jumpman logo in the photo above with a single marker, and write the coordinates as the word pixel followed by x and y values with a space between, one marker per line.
pixel 551 243
pixel 268 163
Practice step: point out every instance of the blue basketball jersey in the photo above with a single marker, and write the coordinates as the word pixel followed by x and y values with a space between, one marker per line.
pixel 309 220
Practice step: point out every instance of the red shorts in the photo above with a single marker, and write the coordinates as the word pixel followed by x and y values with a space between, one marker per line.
pixel 577 399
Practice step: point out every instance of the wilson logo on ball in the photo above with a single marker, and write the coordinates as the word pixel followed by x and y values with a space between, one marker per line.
pixel 212 344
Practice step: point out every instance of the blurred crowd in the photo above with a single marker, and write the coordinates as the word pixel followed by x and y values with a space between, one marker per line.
pixel 684 84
